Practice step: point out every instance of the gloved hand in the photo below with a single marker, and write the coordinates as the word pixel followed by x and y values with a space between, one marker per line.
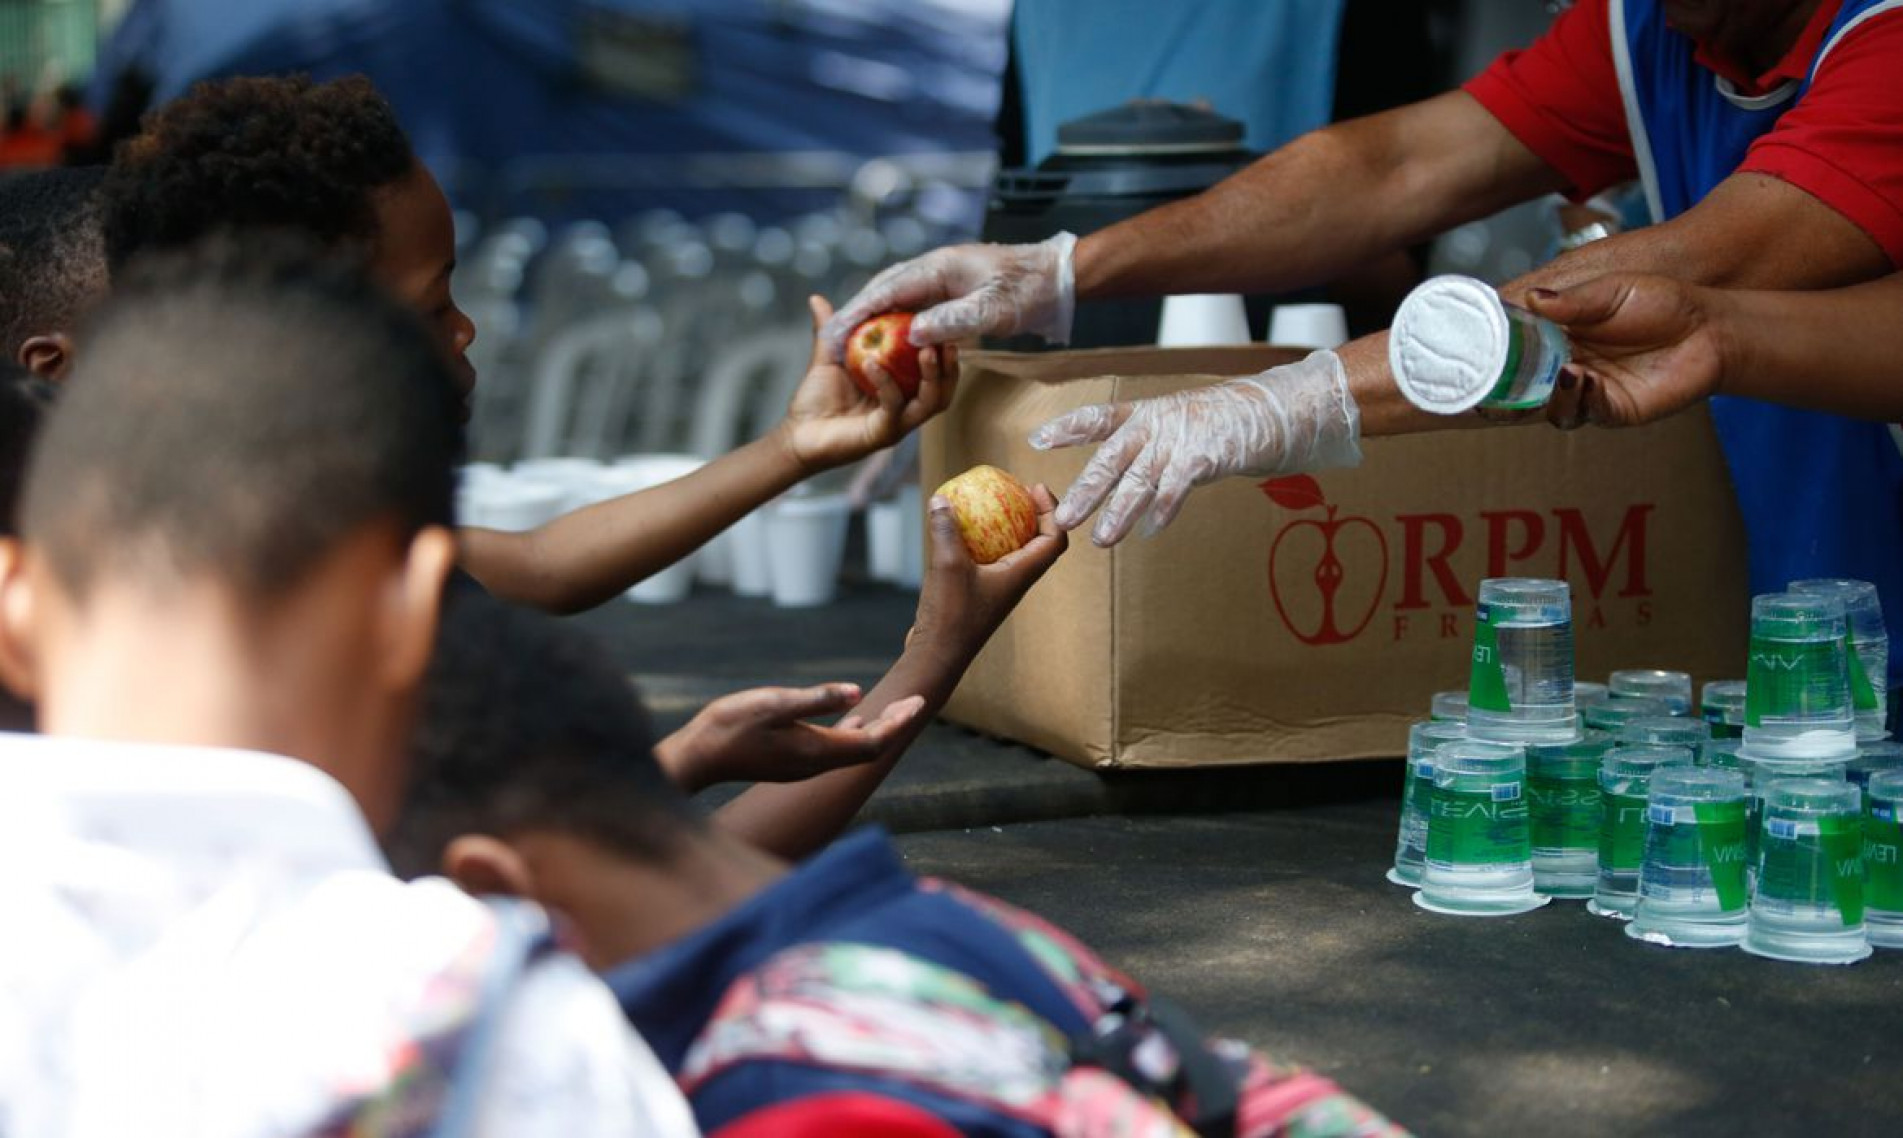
pixel 1289 419
pixel 970 290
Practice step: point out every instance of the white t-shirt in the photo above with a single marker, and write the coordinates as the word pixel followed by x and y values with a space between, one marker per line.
pixel 205 942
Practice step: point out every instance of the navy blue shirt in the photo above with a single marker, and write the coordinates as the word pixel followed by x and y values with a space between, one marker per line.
pixel 856 891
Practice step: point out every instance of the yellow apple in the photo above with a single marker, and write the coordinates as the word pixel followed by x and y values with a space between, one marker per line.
pixel 995 513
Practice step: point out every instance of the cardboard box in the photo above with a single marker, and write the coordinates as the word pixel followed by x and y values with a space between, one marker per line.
pixel 1216 642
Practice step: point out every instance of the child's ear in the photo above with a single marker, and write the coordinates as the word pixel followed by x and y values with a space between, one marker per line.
pixel 415 607
pixel 487 867
pixel 47 356
pixel 16 621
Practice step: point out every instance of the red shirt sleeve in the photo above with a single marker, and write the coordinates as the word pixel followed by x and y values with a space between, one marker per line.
pixel 1843 142
pixel 1561 99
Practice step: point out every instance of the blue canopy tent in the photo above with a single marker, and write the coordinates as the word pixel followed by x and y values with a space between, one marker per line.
pixel 590 107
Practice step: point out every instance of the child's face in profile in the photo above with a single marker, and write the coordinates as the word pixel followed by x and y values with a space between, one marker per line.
pixel 415 253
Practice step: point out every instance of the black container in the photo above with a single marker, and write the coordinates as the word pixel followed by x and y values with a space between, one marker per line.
pixel 1109 166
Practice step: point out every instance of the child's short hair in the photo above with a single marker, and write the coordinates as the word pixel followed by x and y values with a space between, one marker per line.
pixel 23 403
pixel 52 256
pixel 256 153
pixel 240 409
pixel 527 725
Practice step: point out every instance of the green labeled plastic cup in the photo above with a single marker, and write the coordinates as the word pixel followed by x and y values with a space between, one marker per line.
pixel 1520 688
pixel 1761 773
pixel 1479 838
pixel 1872 759
pixel 1692 891
pixel 1625 775
pixel 1721 703
pixel 1449 707
pixel 1797 689
pixel 1883 859
pixel 1588 694
pixel 1867 642
pixel 1809 903
pixel 1616 713
pixel 1664 731
pixel 1673 689
pixel 1562 783
pixel 1724 754
pixel 1410 847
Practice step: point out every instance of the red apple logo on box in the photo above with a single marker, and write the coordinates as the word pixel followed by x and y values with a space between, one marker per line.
pixel 1322 598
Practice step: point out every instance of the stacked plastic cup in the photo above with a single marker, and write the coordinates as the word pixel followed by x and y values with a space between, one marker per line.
pixel 1588 694
pixel 1665 731
pixel 1761 773
pixel 1479 839
pixel 1674 689
pixel 1883 859
pixel 1410 847
pixel 1721 703
pixel 1868 645
pixel 1808 907
pixel 1692 890
pixel 1625 777
pixel 1521 688
pixel 1562 783
pixel 1797 693
pixel 1872 759
pixel 1725 755
pixel 1449 707
pixel 1616 713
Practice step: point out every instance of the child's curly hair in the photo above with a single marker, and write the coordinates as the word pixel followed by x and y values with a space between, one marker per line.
pixel 274 153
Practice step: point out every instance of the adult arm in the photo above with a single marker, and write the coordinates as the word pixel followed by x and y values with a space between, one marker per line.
pixel 1646 346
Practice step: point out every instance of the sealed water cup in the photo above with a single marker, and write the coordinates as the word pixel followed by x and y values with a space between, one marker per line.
pixel 1562 787
pixel 1625 777
pixel 1868 645
pixel 1673 689
pixel 1588 694
pixel 1479 841
pixel 1456 345
pixel 1872 759
pixel 1760 773
pixel 1665 731
pixel 1809 902
pixel 1797 689
pixel 1724 754
pixel 1410 847
pixel 1520 689
pixel 1449 707
pixel 1883 859
pixel 1692 887
pixel 1616 713
pixel 1721 705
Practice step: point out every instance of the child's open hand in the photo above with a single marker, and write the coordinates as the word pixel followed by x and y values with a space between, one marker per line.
pixel 963 602
pixel 764 735
pixel 831 422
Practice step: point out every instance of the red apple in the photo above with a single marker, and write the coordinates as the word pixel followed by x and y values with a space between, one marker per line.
pixel 886 341
pixel 996 515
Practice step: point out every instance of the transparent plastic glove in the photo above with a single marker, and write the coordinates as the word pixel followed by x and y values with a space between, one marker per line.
pixel 1289 419
pixel 970 290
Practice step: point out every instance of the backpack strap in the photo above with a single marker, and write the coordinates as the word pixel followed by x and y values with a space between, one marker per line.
pixel 522 936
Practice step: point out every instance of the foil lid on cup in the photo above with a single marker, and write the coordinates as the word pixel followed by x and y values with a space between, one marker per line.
pixel 1449 344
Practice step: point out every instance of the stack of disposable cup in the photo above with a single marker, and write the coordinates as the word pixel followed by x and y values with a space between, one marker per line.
pixel 1203 320
pixel 1588 694
pixel 1479 859
pixel 1692 887
pixel 1873 758
pixel 1808 906
pixel 1562 782
pixel 1308 325
pixel 1867 645
pixel 514 504
pixel 1721 704
pixel 1674 689
pixel 806 542
pixel 1417 794
pixel 1797 690
pixel 752 564
pixel 1521 690
pixel 1625 778
pixel 576 477
pixel 1883 859
pixel 1614 714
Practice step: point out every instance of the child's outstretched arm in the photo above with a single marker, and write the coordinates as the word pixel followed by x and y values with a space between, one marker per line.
pixel 961 606
pixel 585 558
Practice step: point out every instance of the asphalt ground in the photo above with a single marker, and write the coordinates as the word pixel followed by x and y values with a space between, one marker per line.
pixel 1256 899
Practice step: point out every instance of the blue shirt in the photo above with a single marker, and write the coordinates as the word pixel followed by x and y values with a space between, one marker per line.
pixel 1821 495
pixel 856 891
